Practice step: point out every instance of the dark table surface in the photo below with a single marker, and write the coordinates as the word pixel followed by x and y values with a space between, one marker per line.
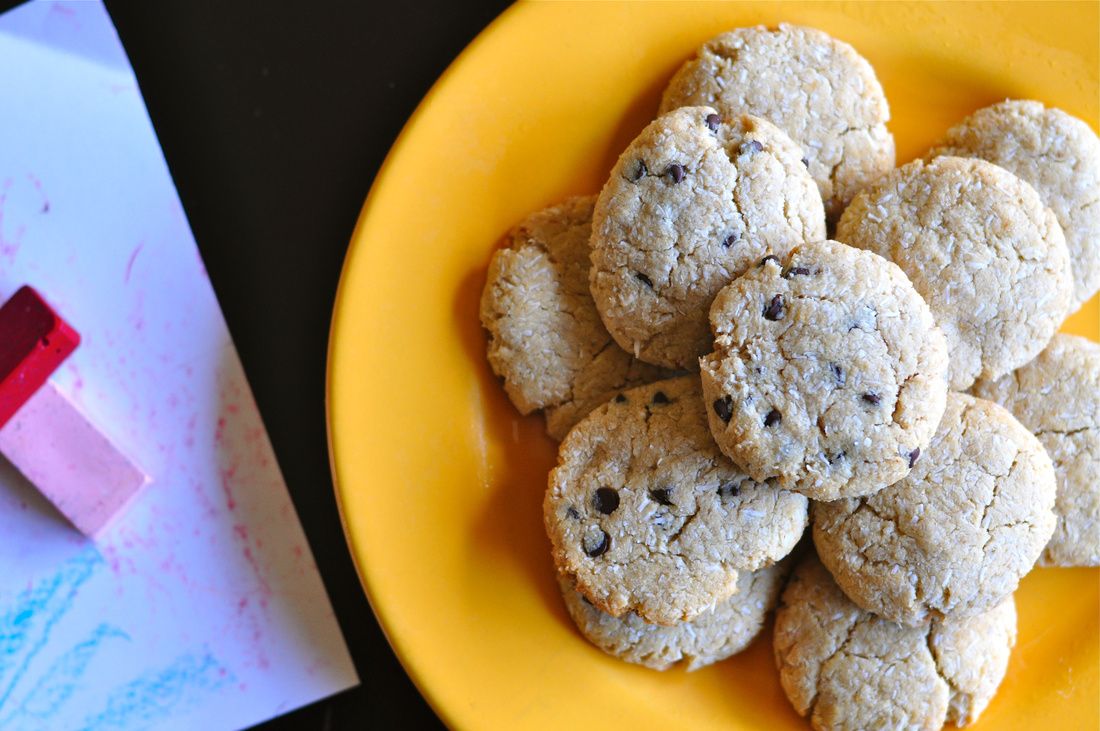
pixel 274 118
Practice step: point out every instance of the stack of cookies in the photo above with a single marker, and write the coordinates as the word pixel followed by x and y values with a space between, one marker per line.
pixel 722 376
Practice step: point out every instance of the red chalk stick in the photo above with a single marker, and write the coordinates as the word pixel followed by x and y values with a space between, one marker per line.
pixel 34 341
pixel 46 436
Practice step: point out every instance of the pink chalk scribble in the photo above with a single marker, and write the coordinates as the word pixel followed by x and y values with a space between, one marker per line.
pixel 240 530
pixel 9 248
pixel 227 476
pixel 41 191
pixel 130 263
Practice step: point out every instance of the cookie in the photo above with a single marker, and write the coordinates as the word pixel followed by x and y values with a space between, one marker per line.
pixel 829 373
pixel 714 635
pixel 1059 156
pixel 545 337
pixel 693 201
pixel 956 535
pixel 848 669
pixel 645 514
pixel 1057 397
pixel 817 89
pixel 980 247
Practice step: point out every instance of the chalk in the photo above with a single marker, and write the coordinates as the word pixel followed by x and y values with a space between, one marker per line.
pixel 44 434
pixel 34 341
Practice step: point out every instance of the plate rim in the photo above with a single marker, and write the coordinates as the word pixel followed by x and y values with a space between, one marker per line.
pixel 354 244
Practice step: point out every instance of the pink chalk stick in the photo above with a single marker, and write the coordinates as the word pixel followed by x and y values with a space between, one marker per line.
pixel 77 467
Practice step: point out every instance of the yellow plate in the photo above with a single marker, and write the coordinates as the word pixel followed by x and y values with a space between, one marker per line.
pixel 441 483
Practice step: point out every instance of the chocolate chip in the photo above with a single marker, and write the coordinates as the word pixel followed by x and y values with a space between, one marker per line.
pixel 675 171
pixel 914 456
pixel 806 161
pixel 871 398
pixel 606 500
pixel 750 147
pixel 774 310
pixel 572 513
pixel 766 259
pixel 723 408
pixel 662 495
pixel 620 399
pixel 595 551
pixel 713 120
pixel 838 374
pixel 639 172
pixel 660 398
pixel 730 240
pixel 729 489
pixel 644 279
pixel 795 272
pixel 773 418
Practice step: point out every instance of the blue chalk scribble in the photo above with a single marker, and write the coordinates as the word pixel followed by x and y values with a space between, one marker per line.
pixel 159 693
pixel 61 695
pixel 62 679
pixel 25 627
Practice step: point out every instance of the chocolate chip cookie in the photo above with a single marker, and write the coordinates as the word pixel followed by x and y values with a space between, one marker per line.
pixel 695 200
pixel 815 88
pixel 1059 156
pixel 714 635
pixel 955 536
pixel 846 668
pixel 1057 397
pixel 981 248
pixel 829 373
pixel 644 513
pixel 545 337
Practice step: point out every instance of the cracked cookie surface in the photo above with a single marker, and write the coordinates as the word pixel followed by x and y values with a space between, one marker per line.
pixel 956 535
pixel 980 247
pixel 1059 156
pixel 817 89
pixel 714 635
pixel 845 668
pixel 1057 397
pixel 694 200
pixel 829 373
pixel 545 337
pixel 646 515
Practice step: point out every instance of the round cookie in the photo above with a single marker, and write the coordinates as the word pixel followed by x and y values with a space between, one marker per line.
pixel 848 669
pixel 646 515
pixel 1059 156
pixel 714 635
pixel 545 337
pixel 692 202
pixel 956 535
pixel 829 373
pixel 1057 397
pixel 815 88
pixel 980 247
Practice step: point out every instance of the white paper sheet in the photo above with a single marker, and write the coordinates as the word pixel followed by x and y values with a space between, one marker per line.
pixel 202 607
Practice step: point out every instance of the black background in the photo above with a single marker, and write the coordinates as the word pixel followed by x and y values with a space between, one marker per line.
pixel 274 118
